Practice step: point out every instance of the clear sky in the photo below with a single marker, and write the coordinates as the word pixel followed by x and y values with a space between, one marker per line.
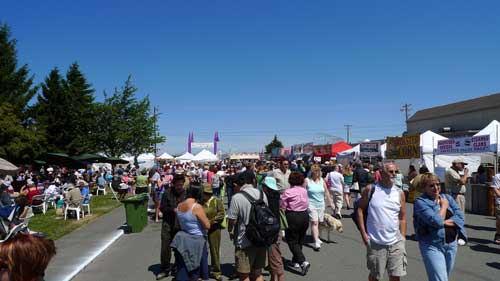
pixel 250 69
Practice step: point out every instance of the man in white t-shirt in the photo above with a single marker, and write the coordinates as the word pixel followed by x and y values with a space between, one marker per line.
pixel 495 185
pixel 336 184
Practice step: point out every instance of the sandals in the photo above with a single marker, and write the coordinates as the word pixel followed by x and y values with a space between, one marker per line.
pixel 497 239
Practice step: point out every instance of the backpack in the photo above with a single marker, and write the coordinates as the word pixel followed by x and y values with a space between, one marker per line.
pixel 263 227
pixel 354 215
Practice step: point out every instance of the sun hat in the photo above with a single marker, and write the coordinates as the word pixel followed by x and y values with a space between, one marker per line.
pixel 458 161
pixel 207 188
pixel 271 183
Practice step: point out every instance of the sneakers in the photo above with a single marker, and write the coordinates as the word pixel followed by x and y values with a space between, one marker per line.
pixel 162 275
pixel 317 246
pixel 338 216
pixel 305 267
pixel 295 265
pixel 461 242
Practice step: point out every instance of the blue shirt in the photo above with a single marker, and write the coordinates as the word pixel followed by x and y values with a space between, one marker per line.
pixel 429 225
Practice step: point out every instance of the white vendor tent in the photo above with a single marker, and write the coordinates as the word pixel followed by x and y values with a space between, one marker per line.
pixel 346 156
pixel 205 156
pixel 165 156
pixel 492 131
pixel 185 157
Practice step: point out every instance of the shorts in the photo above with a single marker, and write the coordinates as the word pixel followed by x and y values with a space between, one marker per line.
pixel 347 188
pixel 382 257
pixel 250 259
pixel 316 214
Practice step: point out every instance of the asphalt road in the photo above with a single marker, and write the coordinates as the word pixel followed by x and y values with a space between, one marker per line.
pixel 135 257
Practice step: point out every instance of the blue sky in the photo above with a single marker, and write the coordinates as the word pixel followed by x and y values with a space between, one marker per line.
pixel 250 69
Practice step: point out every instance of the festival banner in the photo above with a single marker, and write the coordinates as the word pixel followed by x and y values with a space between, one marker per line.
pixel 406 147
pixel 202 145
pixel 478 144
pixel 369 149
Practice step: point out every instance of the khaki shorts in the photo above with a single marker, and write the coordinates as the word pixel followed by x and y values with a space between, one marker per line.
pixel 381 257
pixel 250 259
pixel 316 214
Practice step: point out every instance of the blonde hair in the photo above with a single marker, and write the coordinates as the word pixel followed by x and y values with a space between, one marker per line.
pixel 315 167
pixel 425 179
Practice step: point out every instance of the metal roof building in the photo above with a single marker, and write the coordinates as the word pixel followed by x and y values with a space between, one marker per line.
pixel 457 119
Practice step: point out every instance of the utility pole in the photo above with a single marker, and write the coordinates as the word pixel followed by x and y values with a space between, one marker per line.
pixel 155 110
pixel 406 108
pixel 348 132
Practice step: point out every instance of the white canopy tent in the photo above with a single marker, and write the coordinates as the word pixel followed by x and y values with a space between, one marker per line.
pixel 492 131
pixel 347 156
pixel 205 156
pixel 7 168
pixel 186 157
pixel 165 156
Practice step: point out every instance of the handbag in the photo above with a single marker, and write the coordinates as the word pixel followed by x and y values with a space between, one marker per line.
pixel 283 220
pixel 355 186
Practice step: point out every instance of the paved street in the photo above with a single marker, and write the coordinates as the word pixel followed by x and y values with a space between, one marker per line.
pixel 135 257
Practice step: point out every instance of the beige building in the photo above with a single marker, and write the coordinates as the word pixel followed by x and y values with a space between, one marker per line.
pixel 457 119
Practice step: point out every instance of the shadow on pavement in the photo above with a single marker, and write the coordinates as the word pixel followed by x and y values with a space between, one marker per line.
pixel 480 241
pixel 493 264
pixel 155 268
pixel 485 249
pixel 480 228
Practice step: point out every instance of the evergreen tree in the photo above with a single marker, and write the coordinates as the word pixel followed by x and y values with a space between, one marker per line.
pixel 52 112
pixel 16 86
pixel 275 143
pixel 81 111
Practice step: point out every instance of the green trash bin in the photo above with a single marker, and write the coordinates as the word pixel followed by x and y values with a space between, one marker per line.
pixel 136 212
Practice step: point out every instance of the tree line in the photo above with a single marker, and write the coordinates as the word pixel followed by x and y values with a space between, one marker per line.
pixel 62 115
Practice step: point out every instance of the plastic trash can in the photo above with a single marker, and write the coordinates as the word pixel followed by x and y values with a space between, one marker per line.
pixel 136 212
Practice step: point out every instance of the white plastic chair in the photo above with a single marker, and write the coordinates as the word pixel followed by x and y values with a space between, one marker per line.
pixel 76 209
pixel 86 205
pixel 42 205
pixel 101 189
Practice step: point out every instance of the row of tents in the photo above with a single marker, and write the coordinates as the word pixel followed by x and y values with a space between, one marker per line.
pixel 430 156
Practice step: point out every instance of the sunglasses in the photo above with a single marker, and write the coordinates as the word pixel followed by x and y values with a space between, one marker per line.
pixel 391 171
pixel 434 184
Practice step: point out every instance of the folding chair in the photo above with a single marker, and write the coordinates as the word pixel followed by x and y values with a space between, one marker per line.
pixel 115 194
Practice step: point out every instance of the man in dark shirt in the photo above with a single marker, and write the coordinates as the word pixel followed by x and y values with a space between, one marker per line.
pixel 171 198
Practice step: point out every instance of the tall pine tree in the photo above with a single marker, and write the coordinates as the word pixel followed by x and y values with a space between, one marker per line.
pixel 81 113
pixel 16 86
pixel 52 112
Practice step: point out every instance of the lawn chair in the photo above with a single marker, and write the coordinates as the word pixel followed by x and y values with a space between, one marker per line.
pixel 38 201
pixel 101 189
pixel 86 205
pixel 78 210
pixel 115 194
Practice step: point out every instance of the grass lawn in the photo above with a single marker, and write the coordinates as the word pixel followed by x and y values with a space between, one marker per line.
pixel 56 227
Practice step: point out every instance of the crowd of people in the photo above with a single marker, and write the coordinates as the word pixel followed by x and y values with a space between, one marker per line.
pixel 271 202
pixel 298 196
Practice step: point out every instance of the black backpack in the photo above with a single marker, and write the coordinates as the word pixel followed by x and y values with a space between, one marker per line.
pixel 263 227
pixel 354 215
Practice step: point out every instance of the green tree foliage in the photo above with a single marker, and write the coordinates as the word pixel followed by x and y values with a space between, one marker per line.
pixel 16 86
pixel 127 125
pixel 273 144
pixel 18 144
pixel 52 112
pixel 81 111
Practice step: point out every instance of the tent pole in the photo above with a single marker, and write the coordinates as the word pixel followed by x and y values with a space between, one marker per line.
pixel 496 150
pixel 433 154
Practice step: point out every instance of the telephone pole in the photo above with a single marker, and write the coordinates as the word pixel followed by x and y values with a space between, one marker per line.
pixel 348 132
pixel 406 108
pixel 155 111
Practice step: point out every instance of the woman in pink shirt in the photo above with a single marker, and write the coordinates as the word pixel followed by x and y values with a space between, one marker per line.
pixel 295 203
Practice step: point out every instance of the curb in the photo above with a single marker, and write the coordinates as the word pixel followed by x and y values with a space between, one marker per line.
pixel 94 255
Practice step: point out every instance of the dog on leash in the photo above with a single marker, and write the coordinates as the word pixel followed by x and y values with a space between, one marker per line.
pixel 329 224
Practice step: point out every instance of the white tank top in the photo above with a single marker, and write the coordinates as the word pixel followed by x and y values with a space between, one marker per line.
pixel 382 224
